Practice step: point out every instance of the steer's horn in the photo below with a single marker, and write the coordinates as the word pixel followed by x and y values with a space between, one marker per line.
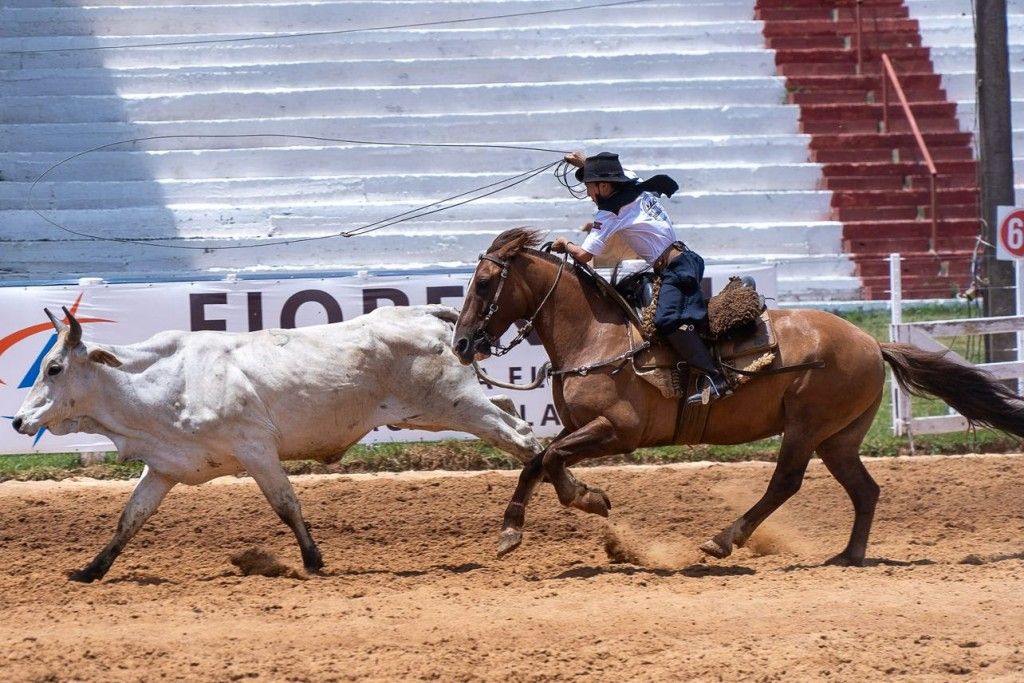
pixel 53 319
pixel 75 335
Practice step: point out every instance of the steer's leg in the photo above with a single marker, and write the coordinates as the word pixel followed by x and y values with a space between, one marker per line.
pixel 144 500
pixel 274 483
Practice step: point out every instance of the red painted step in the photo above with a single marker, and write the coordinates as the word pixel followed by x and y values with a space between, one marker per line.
pixel 915 196
pixel 889 140
pixel 884 245
pixel 848 27
pixel 907 229
pixel 939 154
pixel 906 212
pixel 825 13
pixel 879 182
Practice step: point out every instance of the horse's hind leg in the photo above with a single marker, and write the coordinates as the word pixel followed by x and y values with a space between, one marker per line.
pixel 841 456
pixel 794 455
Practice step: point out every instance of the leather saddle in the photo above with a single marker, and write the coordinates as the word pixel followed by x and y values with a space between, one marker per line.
pixel 739 331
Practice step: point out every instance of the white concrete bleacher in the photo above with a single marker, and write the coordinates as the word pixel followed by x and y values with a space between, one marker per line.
pixel 948 27
pixel 685 88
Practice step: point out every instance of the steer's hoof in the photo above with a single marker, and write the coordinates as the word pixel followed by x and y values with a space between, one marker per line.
pixel 510 540
pixel 716 549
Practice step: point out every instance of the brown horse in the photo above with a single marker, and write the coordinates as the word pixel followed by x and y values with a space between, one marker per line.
pixel 604 411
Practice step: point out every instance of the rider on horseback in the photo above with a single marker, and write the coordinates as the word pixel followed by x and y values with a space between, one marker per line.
pixel 629 207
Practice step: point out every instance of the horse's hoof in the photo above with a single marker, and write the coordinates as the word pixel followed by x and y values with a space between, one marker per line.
pixel 82 576
pixel 594 501
pixel 716 550
pixel 844 560
pixel 509 541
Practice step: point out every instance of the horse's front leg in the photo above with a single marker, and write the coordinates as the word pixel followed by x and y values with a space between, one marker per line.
pixel 596 438
pixel 515 513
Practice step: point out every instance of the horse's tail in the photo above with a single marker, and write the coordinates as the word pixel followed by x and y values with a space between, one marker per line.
pixel 973 393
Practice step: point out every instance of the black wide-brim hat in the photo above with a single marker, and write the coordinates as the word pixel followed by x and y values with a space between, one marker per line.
pixel 602 168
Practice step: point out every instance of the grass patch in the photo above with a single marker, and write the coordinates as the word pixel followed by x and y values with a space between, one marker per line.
pixel 475 455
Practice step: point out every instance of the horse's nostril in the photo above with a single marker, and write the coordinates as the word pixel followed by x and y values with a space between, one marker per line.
pixel 16 423
pixel 462 345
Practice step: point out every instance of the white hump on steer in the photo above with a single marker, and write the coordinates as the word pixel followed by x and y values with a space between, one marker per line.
pixel 197 405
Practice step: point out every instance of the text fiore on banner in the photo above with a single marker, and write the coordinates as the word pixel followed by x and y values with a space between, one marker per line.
pixel 128 313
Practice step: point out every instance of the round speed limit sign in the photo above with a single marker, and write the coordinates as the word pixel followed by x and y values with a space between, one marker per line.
pixel 1011 233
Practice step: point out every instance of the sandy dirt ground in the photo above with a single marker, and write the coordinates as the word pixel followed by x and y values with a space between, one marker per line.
pixel 412 589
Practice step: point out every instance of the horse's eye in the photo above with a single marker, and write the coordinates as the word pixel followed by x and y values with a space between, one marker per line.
pixel 482 285
pixel 53 369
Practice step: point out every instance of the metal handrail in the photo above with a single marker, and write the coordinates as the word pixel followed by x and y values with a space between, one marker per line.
pixel 889 74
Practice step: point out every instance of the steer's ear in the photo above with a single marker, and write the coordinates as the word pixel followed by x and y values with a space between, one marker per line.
pixel 104 357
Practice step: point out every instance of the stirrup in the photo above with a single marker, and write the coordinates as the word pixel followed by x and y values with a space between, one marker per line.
pixel 712 390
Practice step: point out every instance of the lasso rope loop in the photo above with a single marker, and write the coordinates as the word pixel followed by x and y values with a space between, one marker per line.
pixel 419 212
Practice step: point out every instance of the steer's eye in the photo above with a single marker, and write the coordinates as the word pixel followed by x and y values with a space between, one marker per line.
pixel 53 369
pixel 482 285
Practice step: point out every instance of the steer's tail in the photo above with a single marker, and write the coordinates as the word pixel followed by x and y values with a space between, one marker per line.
pixel 973 393
pixel 445 313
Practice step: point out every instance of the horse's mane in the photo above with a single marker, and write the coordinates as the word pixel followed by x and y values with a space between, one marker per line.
pixel 532 239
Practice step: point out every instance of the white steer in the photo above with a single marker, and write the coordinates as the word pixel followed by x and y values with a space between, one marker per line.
pixel 197 405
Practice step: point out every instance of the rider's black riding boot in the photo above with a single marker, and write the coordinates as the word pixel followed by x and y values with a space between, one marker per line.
pixel 692 349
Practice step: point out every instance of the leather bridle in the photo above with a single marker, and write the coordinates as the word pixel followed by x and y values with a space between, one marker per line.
pixel 524 331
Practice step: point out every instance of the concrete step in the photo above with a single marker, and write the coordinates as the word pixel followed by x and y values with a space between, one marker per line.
pixel 312 190
pixel 207 50
pixel 716 72
pixel 404 246
pixel 483 42
pixel 340 16
pixel 255 157
pixel 397 101
pixel 248 219
pixel 508 125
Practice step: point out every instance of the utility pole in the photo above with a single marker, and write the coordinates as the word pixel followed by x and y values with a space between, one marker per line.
pixel 995 144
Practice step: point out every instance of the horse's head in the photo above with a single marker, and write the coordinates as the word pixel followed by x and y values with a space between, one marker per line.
pixel 494 299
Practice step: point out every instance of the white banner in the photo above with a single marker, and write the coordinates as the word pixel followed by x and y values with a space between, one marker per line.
pixel 128 313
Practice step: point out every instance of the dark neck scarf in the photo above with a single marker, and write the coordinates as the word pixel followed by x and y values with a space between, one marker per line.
pixel 628 192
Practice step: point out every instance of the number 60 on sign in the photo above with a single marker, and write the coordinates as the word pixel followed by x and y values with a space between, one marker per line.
pixel 1011 233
